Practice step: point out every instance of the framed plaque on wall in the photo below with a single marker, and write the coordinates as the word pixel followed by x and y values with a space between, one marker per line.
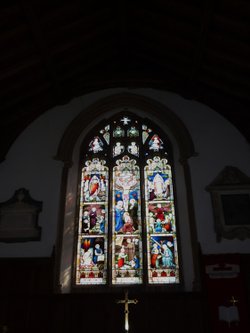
pixel 19 218
pixel 230 195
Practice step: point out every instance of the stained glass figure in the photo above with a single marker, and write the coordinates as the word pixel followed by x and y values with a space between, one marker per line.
pixel 126 194
pixel 118 149
pixel 126 153
pixel 92 235
pixel 160 214
pixel 94 181
pixel 133 149
pixel 118 132
pixel 133 132
pixel 96 145
pixel 155 143
pixel 127 260
pixel 92 261
pixel 93 219
pixel 126 221
pixel 160 217
pixel 159 179
pixel 163 260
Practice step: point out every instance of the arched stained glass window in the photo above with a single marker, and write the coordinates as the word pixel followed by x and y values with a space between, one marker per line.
pixel 126 221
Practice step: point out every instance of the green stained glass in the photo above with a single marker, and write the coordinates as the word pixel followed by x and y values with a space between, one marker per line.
pixel 118 132
pixel 110 223
pixel 133 132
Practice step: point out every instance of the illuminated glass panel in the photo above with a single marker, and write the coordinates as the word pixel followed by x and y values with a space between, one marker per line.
pixel 134 157
pixel 118 132
pixel 145 133
pixel 93 227
pixel 132 132
pixel 163 264
pixel 118 149
pixel 125 120
pixel 96 145
pixel 105 133
pixel 155 143
pixel 133 148
pixel 126 237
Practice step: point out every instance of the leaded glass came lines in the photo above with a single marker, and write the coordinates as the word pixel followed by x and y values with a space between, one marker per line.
pixel 127 220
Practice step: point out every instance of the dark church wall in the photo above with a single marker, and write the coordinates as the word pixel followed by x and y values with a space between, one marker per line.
pixel 28 304
pixel 26 289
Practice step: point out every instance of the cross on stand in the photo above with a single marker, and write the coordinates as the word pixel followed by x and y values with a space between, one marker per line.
pixel 234 301
pixel 126 302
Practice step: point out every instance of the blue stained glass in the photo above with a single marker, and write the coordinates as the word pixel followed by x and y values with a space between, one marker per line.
pixel 124 226
pixel 163 265
pixel 127 244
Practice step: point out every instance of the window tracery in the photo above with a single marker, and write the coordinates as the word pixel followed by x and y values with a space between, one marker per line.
pixel 127 207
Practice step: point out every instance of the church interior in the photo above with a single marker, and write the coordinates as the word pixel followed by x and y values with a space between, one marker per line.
pixel 69 72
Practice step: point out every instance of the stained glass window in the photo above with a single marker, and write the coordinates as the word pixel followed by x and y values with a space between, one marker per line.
pixel 127 220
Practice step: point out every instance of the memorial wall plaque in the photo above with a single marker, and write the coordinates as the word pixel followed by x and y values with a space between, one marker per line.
pixel 230 194
pixel 19 218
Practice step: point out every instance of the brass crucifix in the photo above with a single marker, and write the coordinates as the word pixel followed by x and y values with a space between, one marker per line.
pixel 234 301
pixel 126 302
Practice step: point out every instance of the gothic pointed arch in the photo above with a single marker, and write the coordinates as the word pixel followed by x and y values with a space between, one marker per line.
pixel 121 102
pixel 87 154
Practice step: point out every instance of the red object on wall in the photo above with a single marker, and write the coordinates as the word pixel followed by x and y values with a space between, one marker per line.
pixel 226 294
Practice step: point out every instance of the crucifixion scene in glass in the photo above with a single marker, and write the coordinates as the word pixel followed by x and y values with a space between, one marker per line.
pixel 126 218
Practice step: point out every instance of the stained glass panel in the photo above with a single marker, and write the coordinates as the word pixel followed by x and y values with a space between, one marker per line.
pixel 118 149
pixel 145 133
pixel 133 148
pixel 127 245
pixel 96 145
pixel 133 132
pixel 163 264
pixel 118 132
pixel 155 143
pixel 124 226
pixel 125 120
pixel 105 133
pixel 93 229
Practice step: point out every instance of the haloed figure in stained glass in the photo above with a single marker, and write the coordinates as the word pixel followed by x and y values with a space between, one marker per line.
pixel 119 212
pixel 124 157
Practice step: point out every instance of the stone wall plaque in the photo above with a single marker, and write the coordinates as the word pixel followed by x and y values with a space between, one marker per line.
pixel 19 218
pixel 230 194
